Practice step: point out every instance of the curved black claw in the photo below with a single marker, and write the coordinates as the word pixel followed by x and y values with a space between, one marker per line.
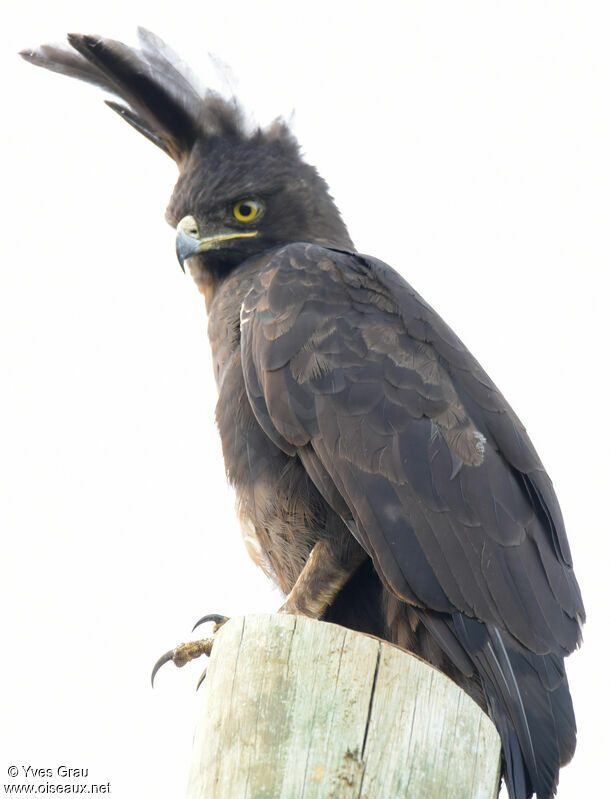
pixel 161 662
pixel 184 653
pixel 201 679
pixel 217 618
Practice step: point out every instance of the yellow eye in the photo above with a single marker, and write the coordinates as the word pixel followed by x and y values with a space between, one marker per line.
pixel 247 210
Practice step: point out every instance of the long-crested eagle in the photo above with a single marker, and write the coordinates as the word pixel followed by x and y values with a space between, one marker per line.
pixel 384 482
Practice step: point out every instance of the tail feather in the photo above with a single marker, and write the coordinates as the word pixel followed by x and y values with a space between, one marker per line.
pixel 514 770
pixel 530 704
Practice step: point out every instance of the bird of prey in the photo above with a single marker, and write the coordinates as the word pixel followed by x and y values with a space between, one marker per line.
pixel 383 481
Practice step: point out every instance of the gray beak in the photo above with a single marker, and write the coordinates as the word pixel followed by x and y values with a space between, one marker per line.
pixel 189 242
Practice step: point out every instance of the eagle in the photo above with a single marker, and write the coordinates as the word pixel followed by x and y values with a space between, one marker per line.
pixel 382 480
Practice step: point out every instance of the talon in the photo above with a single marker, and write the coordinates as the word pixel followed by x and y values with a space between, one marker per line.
pixel 201 679
pixel 183 653
pixel 217 618
pixel 161 662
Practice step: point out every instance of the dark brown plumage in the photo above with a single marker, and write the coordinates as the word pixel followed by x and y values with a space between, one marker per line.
pixel 383 481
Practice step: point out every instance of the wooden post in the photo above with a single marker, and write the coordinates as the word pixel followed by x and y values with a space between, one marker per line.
pixel 300 709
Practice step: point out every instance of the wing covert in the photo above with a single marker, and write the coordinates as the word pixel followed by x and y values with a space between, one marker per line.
pixel 348 368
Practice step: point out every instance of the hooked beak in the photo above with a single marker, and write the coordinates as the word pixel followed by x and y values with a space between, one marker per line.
pixel 189 243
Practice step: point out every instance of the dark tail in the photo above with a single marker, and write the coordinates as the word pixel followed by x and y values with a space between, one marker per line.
pixel 526 695
pixel 530 704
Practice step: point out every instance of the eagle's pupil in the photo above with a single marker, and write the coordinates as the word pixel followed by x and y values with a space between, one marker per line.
pixel 245 209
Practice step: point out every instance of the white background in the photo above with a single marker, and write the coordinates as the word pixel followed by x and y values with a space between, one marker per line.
pixel 466 143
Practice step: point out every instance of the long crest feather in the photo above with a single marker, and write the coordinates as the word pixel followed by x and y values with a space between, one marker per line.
pixel 160 97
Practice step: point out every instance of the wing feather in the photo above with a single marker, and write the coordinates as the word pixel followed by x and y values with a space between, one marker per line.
pixel 344 361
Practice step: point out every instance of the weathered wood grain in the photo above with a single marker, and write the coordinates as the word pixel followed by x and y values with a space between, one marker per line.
pixel 299 709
